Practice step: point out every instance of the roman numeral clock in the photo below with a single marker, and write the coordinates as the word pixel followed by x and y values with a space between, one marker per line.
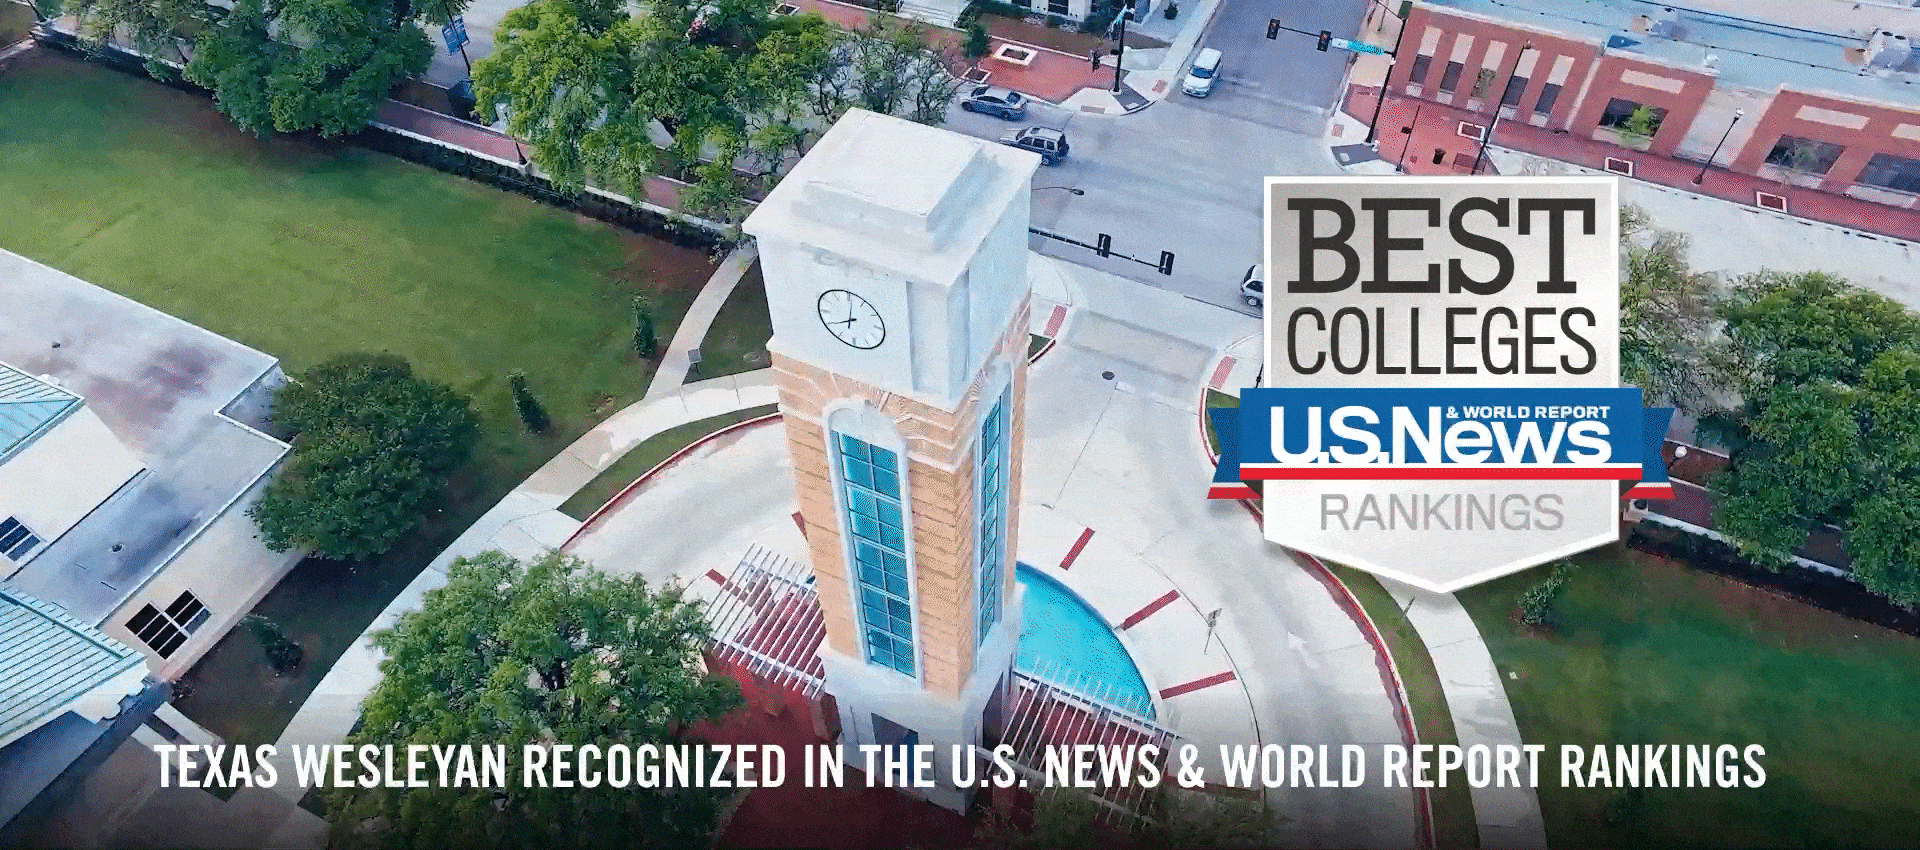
pixel 894 256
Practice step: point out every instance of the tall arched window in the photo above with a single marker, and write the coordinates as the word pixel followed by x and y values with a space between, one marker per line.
pixel 869 472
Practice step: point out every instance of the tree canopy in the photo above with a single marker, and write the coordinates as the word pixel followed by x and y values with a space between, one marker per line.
pixel 373 446
pixel 696 90
pixel 279 65
pixel 1828 430
pixel 1666 315
pixel 515 653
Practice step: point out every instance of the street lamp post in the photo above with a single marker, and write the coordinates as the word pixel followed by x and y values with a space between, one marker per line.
pixel 1702 176
pixel 1499 101
pixel 1408 130
pixel 1120 54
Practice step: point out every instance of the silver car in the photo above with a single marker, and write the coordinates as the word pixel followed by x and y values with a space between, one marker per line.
pixel 993 100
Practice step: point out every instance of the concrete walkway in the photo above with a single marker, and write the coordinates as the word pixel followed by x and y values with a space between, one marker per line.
pixel 1475 694
pixel 677 359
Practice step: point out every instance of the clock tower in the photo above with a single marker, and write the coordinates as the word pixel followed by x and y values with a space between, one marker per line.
pixel 895 260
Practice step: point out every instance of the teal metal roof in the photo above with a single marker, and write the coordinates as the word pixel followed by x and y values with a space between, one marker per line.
pixel 28 408
pixel 47 660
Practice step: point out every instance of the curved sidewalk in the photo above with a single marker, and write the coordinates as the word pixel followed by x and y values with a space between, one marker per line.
pixel 1469 680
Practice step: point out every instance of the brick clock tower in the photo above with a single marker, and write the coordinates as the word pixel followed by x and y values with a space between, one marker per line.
pixel 895 260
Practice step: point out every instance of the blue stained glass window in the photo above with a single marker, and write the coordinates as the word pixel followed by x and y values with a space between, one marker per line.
pixel 991 509
pixel 871 485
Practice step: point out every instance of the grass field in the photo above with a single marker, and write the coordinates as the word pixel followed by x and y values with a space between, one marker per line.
pixel 649 454
pixel 304 250
pixel 737 342
pixel 1648 651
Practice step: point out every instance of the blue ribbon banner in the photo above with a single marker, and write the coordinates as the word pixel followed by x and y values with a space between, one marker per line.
pixel 1296 434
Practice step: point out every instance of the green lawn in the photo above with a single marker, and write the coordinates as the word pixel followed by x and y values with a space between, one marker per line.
pixel 1453 819
pixel 306 249
pixel 649 454
pixel 737 342
pixel 1649 651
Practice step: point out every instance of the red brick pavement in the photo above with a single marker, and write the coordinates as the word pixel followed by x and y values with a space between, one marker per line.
pixel 1051 76
pixel 1435 134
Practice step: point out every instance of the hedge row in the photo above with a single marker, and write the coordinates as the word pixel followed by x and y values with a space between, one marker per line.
pixel 438 157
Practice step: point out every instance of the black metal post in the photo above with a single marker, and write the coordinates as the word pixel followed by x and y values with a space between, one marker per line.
pixel 1402 161
pixel 1499 100
pixel 1380 98
pixel 1702 176
pixel 1120 55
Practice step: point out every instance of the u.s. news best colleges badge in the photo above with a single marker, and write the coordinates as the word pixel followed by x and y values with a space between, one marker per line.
pixel 1442 401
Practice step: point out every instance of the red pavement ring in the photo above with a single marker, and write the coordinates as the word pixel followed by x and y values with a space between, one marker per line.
pixel 1383 659
pixel 671 460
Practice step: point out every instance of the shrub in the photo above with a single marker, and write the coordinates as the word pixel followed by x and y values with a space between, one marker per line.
pixel 1057 22
pixel 283 654
pixel 976 44
pixel 645 343
pixel 1173 11
pixel 532 413
pixel 1536 604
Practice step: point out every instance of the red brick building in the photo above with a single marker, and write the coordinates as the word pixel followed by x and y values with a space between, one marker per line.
pixel 1827 104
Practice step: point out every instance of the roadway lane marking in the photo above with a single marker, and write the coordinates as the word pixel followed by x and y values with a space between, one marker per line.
pixel 1152 608
pixel 1197 684
pixel 1067 562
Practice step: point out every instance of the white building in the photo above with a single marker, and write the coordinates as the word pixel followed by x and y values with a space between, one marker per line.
pixel 127 466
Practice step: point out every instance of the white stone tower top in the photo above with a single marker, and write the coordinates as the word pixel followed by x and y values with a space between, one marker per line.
pixel 924 227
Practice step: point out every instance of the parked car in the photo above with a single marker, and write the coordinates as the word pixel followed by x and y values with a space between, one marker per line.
pixel 1203 73
pixel 1253 287
pixel 993 100
pixel 1049 143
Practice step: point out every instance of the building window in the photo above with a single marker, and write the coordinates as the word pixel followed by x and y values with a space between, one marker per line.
pixel 1421 65
pixel 990 560
pixel 1807 156
pixel 16 540
pixel 1450 78
pixel 164 631
pixel 1058 7
pixel 1633 118
pixel 1892 172
pixel 870 491
pixel 1548 94
pixel 1515 85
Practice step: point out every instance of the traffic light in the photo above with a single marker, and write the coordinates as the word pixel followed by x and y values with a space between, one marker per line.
pixel 1326 40
pixel 1273 28
pixel 1166 262
pixel 1103 245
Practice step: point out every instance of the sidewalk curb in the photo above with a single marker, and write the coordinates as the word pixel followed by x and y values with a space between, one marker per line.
pixel 671 459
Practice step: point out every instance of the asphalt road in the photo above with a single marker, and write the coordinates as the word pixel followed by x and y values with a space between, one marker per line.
pixel 1184 175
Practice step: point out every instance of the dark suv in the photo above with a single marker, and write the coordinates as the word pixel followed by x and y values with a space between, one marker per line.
pixel 1049 143
pixel 994 100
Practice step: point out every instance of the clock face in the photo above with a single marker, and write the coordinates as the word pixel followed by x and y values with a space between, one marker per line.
pixel 852 319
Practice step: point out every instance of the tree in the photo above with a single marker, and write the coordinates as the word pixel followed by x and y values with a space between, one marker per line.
pixel 1062 819
pixel 1828 431
pixel 153 28
pixel 645 343
pixel 1537 603
pixel 283 654
pixel 553 651
pixel 320 65
pixel 532 414
pixel 1667 321
pixel 373 446
pixel 977 43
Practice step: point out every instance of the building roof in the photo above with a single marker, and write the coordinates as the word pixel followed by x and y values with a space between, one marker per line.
pixel 28 408
pixel 1739 51
pixel 48 660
